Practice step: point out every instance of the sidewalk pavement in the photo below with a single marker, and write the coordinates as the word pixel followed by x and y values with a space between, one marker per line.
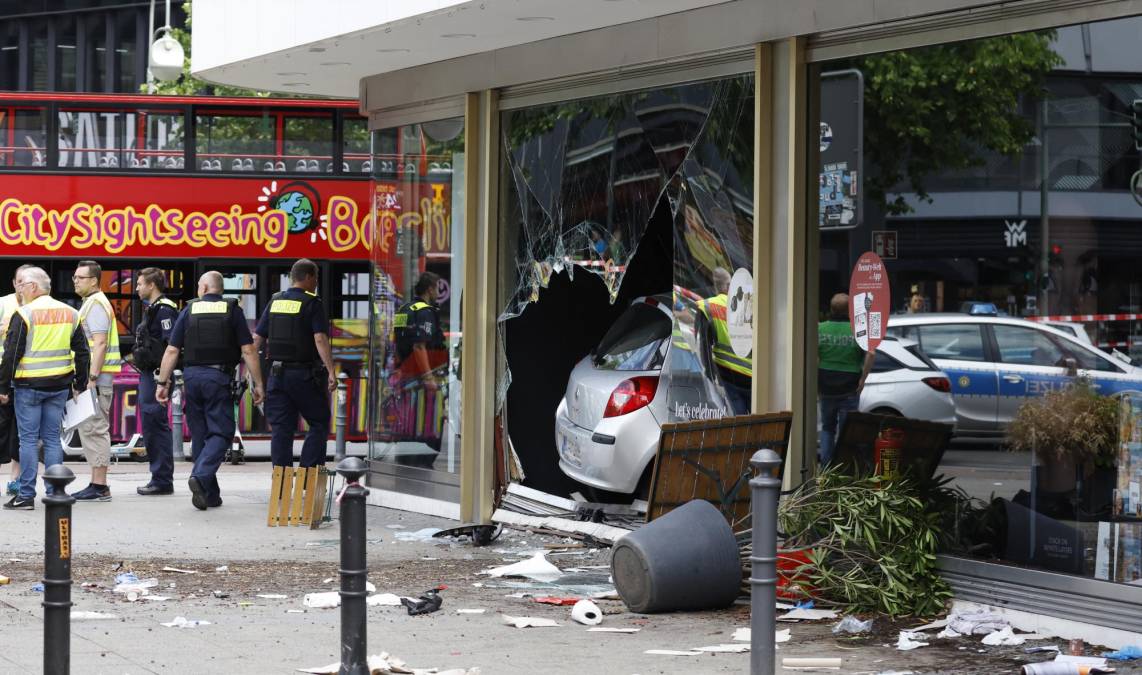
pixel 252 635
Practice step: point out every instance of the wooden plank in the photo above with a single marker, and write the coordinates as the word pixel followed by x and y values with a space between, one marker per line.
pixel 287 495
pixel 323 480
pixel 310 488
pixel 298 496
pixel 275 496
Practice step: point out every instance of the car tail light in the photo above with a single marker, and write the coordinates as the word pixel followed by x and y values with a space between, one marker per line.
pixel 939 384
pixel 630 395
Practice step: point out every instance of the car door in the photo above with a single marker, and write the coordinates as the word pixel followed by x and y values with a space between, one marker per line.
pixel 1107 375
pixel 958 349
pixel 1030 364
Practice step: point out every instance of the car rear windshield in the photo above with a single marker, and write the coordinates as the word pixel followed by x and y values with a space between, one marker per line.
pixel 637 341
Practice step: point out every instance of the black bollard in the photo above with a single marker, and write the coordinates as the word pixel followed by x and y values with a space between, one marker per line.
pixel 766 489
pixel 354 660
pixel 57 572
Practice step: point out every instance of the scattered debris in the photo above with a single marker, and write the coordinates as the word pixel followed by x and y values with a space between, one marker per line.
pixel 672 652
pixel 530 501
pixel 608 534
pixel 221 594
pixel 470 611
pixel 428 603
pixel 909 640
pixel 973 623
pixel 387 664
pixel 1045 648
pixel 535 567
pixel 942 623
pixel 38 588
pixel 806 663
pixel 178 571
pixel 1127 653
pixel 608 629
pixel 808 614
pixel 1003 637
pixel 383 600
pixel 851 624
pixel 528 621
pixel 746 635
pixel 419 535
pixel 4 581
pixel 222 568
pixel 77 615
pixel 271 596
pixel 738 648
pixel 586 613
pixel 559 602
pixel 183 622
pixel 327 600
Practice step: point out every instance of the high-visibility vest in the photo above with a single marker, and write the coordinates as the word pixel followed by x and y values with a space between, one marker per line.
pixel 715 310
pixel 112 362
pixel 9 305
pixel 48 349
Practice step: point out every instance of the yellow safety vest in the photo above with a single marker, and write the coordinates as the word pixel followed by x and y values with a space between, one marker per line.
pixel 715 310
pixel 112 362
pixel 9 305
pixel 48 350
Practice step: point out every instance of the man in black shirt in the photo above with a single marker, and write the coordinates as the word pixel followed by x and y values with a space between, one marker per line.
pixel 151 339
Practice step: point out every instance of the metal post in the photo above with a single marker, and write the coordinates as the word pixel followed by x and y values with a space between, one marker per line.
pixel 766 488
pixel 341 415
pixel 176 415
pixel 1044 214
pixel 354 573
pixel 57 572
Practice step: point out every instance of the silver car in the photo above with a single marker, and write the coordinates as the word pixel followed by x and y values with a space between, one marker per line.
pixel 608 424
pixel 997 363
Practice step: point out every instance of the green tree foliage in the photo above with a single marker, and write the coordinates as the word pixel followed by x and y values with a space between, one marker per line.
pixel 935 109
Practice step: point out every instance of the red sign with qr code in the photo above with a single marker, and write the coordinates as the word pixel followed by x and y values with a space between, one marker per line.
pixel 869 301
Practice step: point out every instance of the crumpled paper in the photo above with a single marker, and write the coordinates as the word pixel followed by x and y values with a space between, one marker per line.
pixel 528 621
pixel 908 640
pixel 535 567
pixel 973 623
pixel 1003 637
pixel 183 622
pixel 387 664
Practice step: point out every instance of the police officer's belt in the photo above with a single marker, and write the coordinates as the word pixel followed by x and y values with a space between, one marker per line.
pixel 216 366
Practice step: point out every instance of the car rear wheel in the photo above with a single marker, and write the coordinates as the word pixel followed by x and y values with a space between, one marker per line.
pixel 886 411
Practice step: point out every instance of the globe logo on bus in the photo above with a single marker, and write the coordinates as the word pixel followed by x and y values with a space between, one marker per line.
pixel 298 208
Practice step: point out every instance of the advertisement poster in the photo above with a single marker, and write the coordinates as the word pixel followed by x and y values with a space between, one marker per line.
pixel 869 301
pixel 1127 503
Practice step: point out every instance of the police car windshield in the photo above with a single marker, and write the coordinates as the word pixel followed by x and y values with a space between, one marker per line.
pixel 637 341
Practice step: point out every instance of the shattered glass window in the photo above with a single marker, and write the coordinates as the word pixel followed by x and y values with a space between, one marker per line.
pixel 584 182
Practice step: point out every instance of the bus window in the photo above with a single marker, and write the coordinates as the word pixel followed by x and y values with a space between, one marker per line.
pixel 91 138
pixel 236 143
pixel 244 287
pixel 157 140
pixel 26 128
pixel 307 144
pixel 355 145
pixel 354 295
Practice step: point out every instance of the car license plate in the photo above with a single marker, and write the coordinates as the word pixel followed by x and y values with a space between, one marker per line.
pixel 570 449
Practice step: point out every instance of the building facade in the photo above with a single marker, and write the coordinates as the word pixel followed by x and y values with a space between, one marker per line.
pixel 565 165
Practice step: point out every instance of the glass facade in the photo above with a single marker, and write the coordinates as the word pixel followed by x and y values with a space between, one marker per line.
pixel 417 287
pixel 606 201
pixel 994 178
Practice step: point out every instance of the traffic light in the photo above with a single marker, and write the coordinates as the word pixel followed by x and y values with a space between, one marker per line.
pixel 1136 123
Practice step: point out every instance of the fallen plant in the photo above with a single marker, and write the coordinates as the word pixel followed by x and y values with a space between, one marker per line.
pixel 872 543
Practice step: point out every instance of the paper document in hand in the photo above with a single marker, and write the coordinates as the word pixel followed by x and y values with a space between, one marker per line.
pixel 78 409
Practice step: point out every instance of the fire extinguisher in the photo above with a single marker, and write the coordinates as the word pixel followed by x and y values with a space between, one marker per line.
pixel 886 452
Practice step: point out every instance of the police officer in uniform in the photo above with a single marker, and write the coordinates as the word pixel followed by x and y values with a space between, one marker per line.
pixel 295 332
pixel 734 372
pixel 212 335
pixel 151 338
pixel 422 354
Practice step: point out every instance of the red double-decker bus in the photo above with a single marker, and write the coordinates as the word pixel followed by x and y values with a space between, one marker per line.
pixel 244 186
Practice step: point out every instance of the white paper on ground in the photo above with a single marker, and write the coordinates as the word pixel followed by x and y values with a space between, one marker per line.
pixel 383 600
pixel 738 648
pixel 385 664
pixel 154 598
pixel 77 615
pixel 470 611
pixel 808 615
pixel 932 626
pixel 672 652
pixel 183 622
pixel 327 600
pixel 528 621
pixel 609 629
pixel 908 640
pixel 746 635
pixel 1003 637
pixel 535 567
pixel 78 409
pixel 419 535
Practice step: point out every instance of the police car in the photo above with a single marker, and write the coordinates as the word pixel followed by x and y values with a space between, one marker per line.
pixel 996 363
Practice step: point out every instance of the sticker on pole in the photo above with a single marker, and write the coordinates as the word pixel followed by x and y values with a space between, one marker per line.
pixel 869 301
